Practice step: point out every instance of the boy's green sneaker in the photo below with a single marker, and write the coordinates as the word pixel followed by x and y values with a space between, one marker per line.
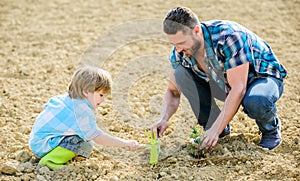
pixel 56 158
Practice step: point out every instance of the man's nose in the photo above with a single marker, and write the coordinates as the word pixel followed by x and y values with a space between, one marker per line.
pixel 179 49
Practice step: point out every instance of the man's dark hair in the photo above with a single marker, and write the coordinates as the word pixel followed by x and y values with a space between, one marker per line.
pixel 179 19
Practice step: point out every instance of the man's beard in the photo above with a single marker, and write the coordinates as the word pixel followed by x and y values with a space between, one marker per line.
pixel 195 47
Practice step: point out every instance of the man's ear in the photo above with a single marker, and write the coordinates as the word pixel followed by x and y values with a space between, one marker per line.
pixel 196 29
pixel 85 93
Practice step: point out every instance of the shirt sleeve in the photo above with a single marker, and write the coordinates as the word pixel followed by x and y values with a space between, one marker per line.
pixel 86 120
pixel 237 50
pixel 174 58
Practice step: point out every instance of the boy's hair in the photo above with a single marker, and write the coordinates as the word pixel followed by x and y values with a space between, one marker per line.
pixel 180 19
pixel 90 79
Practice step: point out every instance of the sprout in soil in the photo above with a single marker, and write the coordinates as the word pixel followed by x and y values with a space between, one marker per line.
pixel 195 142
pixel 154 144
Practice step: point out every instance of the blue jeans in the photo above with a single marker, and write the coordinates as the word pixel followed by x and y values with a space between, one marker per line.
pixel 258 102
pixel 77 145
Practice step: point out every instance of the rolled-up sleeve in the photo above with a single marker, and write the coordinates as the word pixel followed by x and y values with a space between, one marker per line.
pixel 237 50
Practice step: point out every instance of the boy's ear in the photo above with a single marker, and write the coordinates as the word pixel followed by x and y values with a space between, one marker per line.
pixel 85 93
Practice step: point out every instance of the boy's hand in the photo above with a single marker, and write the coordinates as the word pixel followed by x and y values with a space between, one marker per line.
pixel 132 145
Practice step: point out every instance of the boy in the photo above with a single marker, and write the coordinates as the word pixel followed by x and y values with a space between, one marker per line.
pixel 67 126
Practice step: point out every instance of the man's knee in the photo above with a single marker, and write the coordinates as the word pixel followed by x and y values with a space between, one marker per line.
pixel 181 75
pixel 258 107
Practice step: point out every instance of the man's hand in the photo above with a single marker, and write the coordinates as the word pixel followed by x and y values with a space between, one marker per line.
pixel 159 128
pixel 210 139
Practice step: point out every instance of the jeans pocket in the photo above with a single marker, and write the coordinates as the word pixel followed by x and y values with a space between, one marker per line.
pixel 74 139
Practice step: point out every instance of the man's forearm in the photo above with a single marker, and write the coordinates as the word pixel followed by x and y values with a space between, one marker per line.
pixel 230 108
pixel 170 105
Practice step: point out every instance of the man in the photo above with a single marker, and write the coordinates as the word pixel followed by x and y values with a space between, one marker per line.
pixel 223 60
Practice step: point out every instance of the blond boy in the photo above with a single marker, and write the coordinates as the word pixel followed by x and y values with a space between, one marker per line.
pixel 67 126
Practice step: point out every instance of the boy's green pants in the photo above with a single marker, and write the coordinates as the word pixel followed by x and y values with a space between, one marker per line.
pixel 56 158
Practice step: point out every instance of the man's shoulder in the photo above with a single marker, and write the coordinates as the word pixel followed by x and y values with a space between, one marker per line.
pixel 218 26
pixel 224 29
pixel 218 22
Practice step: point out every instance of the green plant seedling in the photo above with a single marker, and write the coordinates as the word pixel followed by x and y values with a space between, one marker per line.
pixel 196 139
pixel 154 144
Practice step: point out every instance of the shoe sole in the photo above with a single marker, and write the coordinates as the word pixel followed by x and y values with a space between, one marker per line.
pixel 267 149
